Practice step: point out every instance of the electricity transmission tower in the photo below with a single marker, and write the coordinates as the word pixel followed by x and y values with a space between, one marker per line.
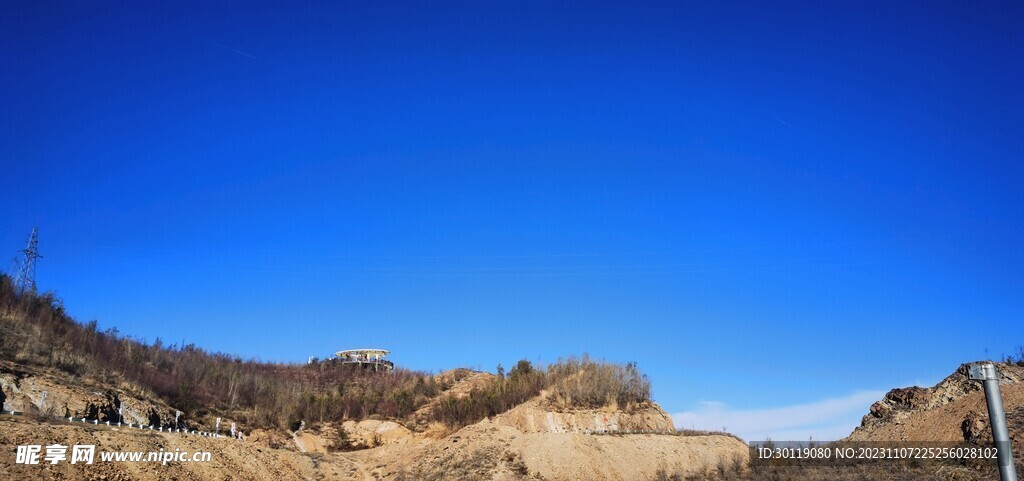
pixel 25 279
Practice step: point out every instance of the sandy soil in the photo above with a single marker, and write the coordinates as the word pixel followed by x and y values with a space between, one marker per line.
pixel 532 441
pixel 230 459
pixel 492 450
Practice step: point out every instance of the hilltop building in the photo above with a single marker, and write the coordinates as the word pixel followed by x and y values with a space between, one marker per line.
pixel 367 358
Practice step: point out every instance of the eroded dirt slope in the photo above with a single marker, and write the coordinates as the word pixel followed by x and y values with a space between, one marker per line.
pixel 230 459
pixel 532 441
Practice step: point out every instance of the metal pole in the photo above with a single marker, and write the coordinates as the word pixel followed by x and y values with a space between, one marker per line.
pixel 987 373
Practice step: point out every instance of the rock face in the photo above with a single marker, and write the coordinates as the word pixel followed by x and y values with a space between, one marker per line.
pixel 103 408
pixel 900 404
pixel 32 390
pixel 976 428
pixel 952 410
pixel 899 400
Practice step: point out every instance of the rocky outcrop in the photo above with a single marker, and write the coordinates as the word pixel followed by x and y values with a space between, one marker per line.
pixel 900 400
pixel 33 390
pixel 952 410
pixel 899 404
pixel 101 408
pixel 976 429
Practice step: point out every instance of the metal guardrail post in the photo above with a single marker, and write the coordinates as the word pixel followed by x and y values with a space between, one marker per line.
pixel 989 375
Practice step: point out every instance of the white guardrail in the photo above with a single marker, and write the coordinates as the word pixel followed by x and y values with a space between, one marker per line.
pixel 138 426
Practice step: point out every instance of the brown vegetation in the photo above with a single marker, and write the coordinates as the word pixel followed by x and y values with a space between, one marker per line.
pixel 38 332
pixel 578 383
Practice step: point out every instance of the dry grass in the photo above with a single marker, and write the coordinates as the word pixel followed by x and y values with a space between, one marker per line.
pixel 437 430
pixel 573 382
pixel 37 331
pixel 585 383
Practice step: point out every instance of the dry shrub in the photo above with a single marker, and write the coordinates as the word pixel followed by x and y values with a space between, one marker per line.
pixel 437 430
pixel 586 383
pixel 37 331
pixel 573 383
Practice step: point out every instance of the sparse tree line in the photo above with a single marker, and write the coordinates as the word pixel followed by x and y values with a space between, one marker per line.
pixel 36 330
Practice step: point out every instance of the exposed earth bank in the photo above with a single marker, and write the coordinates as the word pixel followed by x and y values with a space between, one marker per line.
pixel 531 441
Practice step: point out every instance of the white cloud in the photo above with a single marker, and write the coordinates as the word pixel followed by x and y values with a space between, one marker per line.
pixel 823 420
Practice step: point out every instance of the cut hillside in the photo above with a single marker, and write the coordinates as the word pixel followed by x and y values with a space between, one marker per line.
pixel 39 336
pixel 532 442
pixel 230 459
pixel 50 392
pixel 491 449
pixel 954 410
pixel 944 412
pixel 573 419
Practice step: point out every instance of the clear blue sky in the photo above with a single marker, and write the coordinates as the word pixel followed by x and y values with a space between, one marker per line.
pixel 762 204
